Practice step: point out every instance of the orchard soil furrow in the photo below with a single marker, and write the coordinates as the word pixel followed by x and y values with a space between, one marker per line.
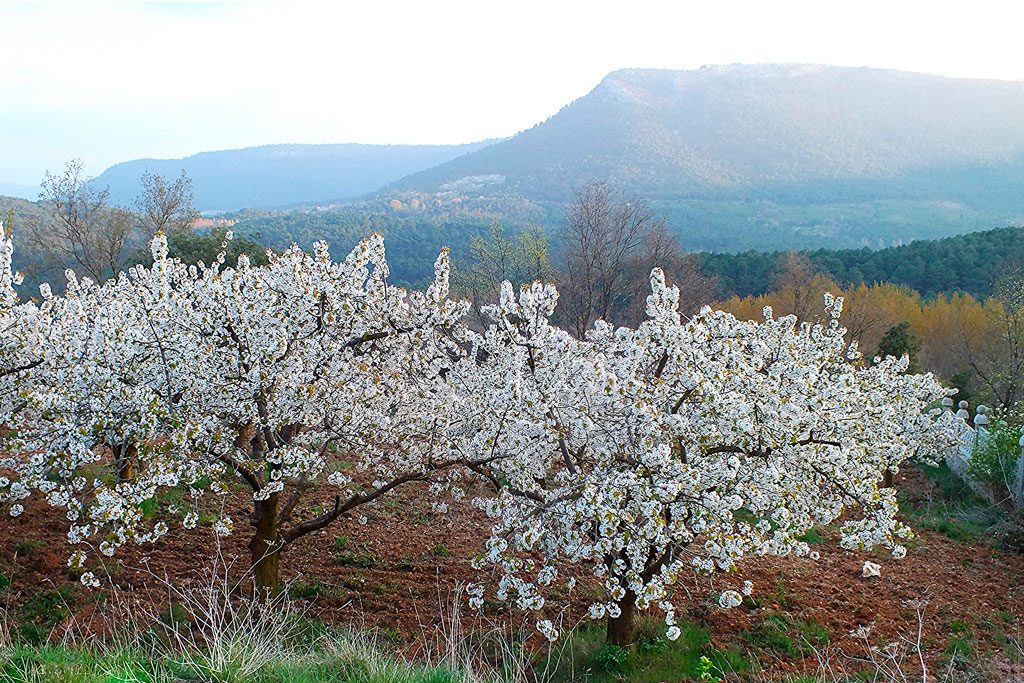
pixel 401 569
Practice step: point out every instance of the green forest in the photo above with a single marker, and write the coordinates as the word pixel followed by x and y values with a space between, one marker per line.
pixel 964 263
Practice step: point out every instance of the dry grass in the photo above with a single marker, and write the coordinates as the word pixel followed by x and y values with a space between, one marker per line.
pixel 216 630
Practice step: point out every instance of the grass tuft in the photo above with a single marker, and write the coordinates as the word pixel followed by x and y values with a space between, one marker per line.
pixel 585 656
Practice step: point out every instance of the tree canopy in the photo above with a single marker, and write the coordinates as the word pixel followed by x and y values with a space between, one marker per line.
pixel 629 450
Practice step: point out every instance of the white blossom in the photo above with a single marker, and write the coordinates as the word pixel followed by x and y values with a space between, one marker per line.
pixel 547 629
pixel 631 451
pixel 200 378
pixel 729 599
pixel 639 453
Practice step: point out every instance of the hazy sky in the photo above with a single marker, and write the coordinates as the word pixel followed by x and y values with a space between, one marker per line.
pixel 114 81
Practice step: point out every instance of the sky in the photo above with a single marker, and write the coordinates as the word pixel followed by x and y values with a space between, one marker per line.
pixel 107 82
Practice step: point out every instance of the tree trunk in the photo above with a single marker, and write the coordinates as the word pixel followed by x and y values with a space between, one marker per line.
pixel 125 457
pixel 264 548
pixel 620 628
pixel 244 435
pixel 887 479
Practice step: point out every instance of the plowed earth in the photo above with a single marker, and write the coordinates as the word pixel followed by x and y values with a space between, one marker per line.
pixel 401 569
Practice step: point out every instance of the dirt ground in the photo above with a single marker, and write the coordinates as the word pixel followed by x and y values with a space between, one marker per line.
pixel 399 575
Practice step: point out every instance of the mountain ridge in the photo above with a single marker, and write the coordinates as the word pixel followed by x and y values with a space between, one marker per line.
pixel 770 156
pixel 735 157
pixel 267 176
pixel 718 141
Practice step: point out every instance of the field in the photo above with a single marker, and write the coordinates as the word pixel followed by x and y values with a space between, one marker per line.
pixel 364 602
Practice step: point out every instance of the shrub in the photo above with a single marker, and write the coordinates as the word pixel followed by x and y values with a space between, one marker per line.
pixel 994 458
pixel 610 657
pixel 360 560
pixel 1009 533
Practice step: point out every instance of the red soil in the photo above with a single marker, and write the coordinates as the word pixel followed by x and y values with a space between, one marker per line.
pixel 420 557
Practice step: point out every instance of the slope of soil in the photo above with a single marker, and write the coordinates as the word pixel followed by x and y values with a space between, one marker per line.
pixel 400 572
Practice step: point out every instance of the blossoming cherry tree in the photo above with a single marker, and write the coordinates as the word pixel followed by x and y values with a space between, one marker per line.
pixel 681 446
pixel 275 381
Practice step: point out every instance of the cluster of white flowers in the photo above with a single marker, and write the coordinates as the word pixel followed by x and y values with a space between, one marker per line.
pixel 641 453
pixel 547 629
pixel 680 444
pixel 19 344
pixel 730 599
pixel 200 378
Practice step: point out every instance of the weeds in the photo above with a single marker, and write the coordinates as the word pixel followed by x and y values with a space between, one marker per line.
pixel 956 512
pixel 209 631
pixel 307 590
pixel 43 611
pixel 654 659
pixel 898 661
pixel 214 630
pixel 346 557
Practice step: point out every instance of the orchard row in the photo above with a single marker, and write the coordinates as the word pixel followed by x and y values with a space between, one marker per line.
pixel 642 454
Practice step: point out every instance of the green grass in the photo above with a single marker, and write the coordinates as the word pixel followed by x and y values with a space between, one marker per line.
pixel 957 512
pixel 951 487
pixel 959 649
pixel 312 652
pixel 783 636
pixel 346 557
pixel 340 661
pixel 653 659
pixel 772 633
pixel 813 537
pixel 306 590
pixel 25 547
pixel 955 526
pixel 349 558
pixel 356 672
pixel 43 611
pixel 63 665
pixel 1005 616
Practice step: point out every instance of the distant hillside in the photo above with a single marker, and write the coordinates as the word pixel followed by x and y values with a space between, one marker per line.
pixel 773 156
pixel 19 215
pixel 277 175
pixel 20 212
pixel 413 237
pixel 965 263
